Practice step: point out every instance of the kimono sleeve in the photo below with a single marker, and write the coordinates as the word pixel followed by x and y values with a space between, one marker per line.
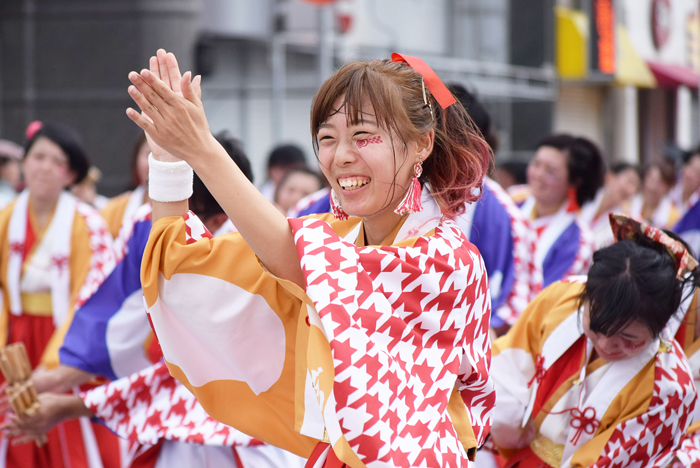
pixel 652 438
pixel 227 328
pixel 515 365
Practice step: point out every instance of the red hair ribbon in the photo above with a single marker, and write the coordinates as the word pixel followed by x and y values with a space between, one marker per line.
pixel 624 228
pixel 437 88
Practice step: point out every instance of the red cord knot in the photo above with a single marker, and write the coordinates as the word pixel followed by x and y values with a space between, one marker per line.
pixel 17 247
pixel 61 262
pixel 585 421
pixel 539 370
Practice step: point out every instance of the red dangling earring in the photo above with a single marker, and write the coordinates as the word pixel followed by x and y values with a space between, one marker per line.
pixel 411 202
pixel 337 210
pixel 572 197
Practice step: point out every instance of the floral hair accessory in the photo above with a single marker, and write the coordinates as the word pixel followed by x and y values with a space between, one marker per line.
pixel 625 228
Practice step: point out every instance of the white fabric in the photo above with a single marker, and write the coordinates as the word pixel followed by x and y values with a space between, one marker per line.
pixel 169 181
pixel 676 197
pixel 135 202
pixel 92 450
pixel 555 224
pixel 54 250
pixel 194 456
pixel 660 218
pixel 600 225
pixel 465 221
pixel 243 357
pixel 268 456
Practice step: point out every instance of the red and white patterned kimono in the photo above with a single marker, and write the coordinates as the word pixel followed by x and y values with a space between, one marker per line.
pixel 384 356
pixel 45 274
pixel 687 332
pixel 586 413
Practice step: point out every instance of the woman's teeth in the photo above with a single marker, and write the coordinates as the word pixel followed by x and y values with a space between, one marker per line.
pixel 352 184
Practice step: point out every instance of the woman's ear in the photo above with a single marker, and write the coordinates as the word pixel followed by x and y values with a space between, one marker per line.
pixel 72 177
pixel 424 145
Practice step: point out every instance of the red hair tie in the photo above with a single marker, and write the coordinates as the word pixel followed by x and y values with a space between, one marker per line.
pixel 437 88
pixel 624 228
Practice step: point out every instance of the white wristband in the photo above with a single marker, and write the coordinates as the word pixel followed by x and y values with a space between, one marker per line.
pixel 169 181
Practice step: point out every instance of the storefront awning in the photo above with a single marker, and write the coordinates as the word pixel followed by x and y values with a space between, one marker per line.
pixel 631 68
pixel 572 43
pixel 672 76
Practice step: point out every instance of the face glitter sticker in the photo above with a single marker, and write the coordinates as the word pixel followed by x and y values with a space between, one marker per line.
pixel 362 143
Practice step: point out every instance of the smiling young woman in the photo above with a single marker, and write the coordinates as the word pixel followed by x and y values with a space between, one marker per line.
pixel 589 376
pixel 563 175
pixel 54 252
pixel 374 324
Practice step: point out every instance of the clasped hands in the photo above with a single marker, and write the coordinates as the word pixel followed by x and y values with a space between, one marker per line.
pixel 172 113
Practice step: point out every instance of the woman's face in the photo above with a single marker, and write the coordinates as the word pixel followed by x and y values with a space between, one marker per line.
pixel 624 185
pixel 296 186
pixel 142 163
pixel 654 188
pixel 690 175
pixel 625 344
pixel 548 176
pixel 369 176
pixel 46 169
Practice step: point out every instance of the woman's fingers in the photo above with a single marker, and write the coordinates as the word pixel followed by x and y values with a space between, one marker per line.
pixel 197 86
pixel 186 86
pixel 144 104
pixel 163 69
pixel 23 440
pixel 173 70
pixel 152 88
pixel 141 120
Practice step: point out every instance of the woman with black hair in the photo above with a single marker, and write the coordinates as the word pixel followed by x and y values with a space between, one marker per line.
pixel 122 208
pixel 652 205
pixel 565 173
pixel 55 252
pixel 589 376
pixel 621 183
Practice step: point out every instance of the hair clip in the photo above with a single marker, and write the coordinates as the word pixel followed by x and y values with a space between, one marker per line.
pixel 425 98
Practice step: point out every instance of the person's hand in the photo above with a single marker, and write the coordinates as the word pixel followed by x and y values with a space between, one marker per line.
pixel 172 111
pixel 164 65
pixel 53 409
pixel 508 437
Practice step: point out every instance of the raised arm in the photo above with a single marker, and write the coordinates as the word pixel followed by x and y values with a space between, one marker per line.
pixel 177 124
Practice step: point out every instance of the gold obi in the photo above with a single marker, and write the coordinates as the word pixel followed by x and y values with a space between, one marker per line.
pixel 38 304
pixel 546 450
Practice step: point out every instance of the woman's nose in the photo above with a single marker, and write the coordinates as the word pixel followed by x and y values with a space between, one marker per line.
pixel 346 153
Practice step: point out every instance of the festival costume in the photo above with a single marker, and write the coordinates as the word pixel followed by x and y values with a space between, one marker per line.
pixel 683 326
pixel 110 336
pixel 495 225
pixel 688 227
pixel 121 209
pixel 586 413
pixel 599 223
pixel 44 275
pixel 564 246
pixel 317 202
pixel 385 356
pixel 665 216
